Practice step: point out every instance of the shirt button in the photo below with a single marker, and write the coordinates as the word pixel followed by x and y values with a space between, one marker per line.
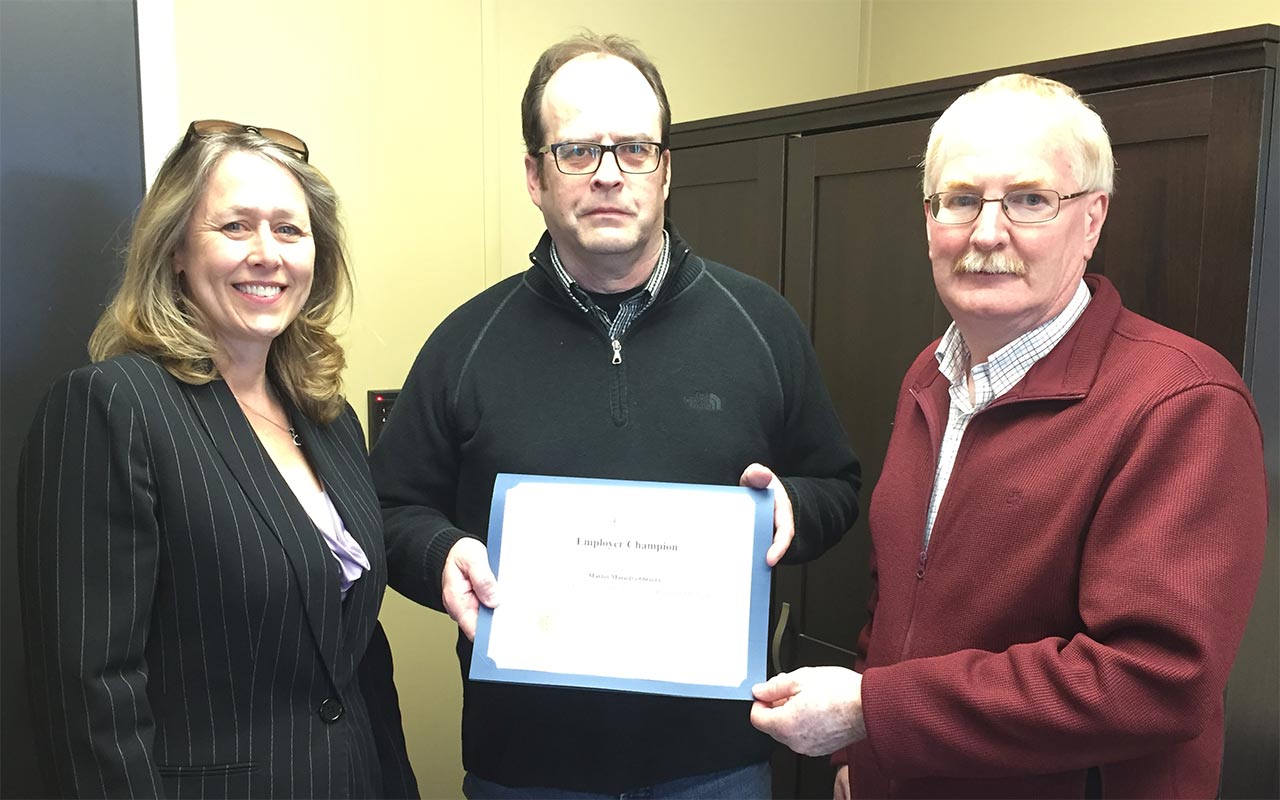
pixel 331 710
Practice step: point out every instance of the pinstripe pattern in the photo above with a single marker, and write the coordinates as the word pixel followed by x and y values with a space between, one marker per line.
pixel 182 613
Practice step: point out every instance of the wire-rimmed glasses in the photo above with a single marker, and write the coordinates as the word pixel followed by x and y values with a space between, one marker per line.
pixel 1024 205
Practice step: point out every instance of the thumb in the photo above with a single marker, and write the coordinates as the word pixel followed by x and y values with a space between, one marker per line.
pixel 483 582
pixel 779 687
pixel 756 476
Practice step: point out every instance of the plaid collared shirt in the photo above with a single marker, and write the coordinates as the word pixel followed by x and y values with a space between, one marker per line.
pixel 629 310
pixel 991 379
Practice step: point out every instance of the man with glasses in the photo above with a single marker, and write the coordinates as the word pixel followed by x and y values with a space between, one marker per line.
pixel 1069 525
pixel 618 354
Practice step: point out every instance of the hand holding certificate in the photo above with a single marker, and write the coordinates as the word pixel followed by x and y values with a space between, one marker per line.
pixel 647 587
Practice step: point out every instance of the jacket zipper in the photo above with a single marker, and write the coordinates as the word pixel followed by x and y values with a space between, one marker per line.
pixel 921 562
pixel 615 349
pixel 616 344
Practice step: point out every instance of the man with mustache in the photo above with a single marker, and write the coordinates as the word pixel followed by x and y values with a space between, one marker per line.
pixel 1069 525
pixel 618 354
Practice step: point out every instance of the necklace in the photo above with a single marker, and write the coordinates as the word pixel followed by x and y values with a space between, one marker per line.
pixel 289 430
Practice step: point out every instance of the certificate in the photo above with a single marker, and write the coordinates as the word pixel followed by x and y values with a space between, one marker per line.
pixel 627 585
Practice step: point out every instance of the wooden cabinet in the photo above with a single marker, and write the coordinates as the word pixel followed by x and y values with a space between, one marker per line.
pixel 823 201
pixel 732 194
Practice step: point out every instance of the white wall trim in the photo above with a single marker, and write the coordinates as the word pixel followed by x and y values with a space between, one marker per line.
pixel 158 76
pixel 865 39
pixel 491 130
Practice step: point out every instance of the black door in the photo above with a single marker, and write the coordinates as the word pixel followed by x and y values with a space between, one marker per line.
pixel 70 121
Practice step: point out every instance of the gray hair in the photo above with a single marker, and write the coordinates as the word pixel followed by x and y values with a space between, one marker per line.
pixel 1075 128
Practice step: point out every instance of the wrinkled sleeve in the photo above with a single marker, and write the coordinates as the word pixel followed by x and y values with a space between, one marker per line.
pixel 818 468
pixel 88 542
pixel 415 465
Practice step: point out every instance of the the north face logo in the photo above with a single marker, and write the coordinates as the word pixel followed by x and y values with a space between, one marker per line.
pixel 703 401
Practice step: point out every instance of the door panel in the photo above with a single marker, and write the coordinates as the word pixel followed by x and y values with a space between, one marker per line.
pixel 858 265
pixel 874 308
pixel 726 201
pixel 1178 241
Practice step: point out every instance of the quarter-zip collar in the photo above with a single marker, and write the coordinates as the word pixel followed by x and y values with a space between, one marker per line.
pixel 651 287
pixel 682 272
pixel 1004 368
pixel 1066 373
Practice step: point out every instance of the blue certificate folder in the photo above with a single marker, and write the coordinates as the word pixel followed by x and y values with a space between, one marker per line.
pixel 677 647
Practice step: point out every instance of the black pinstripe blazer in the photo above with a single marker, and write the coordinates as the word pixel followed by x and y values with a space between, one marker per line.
pixel 184 627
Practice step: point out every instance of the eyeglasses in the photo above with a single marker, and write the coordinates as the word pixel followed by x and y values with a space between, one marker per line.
pixel 203 128
pixel 584 158
pixel 1024 205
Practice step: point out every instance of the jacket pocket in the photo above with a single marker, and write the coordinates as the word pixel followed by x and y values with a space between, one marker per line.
pixel 205 770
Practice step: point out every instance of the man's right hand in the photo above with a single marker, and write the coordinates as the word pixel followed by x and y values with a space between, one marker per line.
pixel 467 582
pixel 815 710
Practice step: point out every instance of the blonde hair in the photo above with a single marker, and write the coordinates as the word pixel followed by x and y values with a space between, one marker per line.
pixel 149 313
pixel 1072 126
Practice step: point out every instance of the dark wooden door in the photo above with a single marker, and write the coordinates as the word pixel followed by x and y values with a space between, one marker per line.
pixel 857 267
pixel 1180 235
pixel 726 200
pixel 852 205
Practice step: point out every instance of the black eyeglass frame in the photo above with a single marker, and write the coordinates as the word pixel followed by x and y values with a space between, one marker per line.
pixel 604 148
pixel 204 128
pixel 933 203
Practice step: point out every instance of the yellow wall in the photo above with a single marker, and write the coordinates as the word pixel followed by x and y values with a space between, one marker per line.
pixel 918 40
pixel 412 109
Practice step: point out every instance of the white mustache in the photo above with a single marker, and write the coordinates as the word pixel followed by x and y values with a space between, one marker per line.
pixel 997 263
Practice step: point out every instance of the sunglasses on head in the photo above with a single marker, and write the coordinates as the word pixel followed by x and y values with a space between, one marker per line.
pixel 208 127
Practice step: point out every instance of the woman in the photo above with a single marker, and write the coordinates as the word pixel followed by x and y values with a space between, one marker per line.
pixel 201 548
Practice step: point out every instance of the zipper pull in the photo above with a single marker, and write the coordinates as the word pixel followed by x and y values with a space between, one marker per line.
pixel 924 556
pixel 617 351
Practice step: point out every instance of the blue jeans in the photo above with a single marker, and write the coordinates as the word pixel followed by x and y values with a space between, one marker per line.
pixel 740 783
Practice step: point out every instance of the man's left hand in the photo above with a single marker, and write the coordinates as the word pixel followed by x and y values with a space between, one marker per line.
pixel 758 476
pixel 815 710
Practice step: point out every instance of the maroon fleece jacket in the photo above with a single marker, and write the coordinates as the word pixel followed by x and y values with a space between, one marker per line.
pixel 1087 581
